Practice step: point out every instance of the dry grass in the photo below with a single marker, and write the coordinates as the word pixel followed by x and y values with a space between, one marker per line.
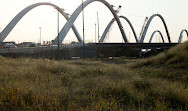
pixel 158 83
pixel 176 57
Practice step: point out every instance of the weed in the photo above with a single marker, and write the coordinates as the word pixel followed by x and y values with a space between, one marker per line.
pixel 156 83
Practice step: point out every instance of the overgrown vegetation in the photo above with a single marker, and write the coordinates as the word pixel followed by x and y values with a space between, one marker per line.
pixel 176 57
pixel 158 83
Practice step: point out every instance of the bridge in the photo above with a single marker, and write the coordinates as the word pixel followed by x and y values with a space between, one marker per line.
pixel 137 47
pixel 91 50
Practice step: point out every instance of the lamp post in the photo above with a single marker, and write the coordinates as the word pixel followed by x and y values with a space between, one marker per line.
pixel 98 24
pixel 40 28
pixel 58 34
pixel 83 30
pixel 95 33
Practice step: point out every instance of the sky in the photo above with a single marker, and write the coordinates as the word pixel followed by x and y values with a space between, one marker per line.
pixel 175 13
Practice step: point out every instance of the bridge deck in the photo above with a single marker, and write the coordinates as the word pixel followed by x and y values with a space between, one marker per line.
pixel 90 45
pixel 138 45
pixel 91 50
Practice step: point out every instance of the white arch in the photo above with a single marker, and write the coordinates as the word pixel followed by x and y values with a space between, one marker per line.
pixel 148 24
pixel 18 17
pixel 181 35
pixel 110 24
pixel 74 16
pixel 154 34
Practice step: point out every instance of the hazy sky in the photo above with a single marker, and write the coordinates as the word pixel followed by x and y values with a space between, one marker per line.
pixel 174 12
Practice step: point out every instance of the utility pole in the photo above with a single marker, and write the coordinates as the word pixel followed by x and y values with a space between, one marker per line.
pixel 40 28
pixel 98 34
pixel 95 33
pixel 83 30
pixel 58 52
pixel 98 24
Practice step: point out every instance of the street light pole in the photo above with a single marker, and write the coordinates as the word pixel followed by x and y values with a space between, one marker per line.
pixel 98 24
pixel 83 30
pixel 95 33
pixel 58 33
pixel 40 28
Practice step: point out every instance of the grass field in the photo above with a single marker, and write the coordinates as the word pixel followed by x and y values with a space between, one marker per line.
pixel 158 83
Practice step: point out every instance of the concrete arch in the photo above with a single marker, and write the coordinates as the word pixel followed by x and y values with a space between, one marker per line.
pixel 18 17
pixel 75 14
pixel 148 24
pixel 110 24
pixel 157 31
pixel 181 35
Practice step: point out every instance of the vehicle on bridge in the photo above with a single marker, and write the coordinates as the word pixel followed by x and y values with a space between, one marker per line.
pixel 9 45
